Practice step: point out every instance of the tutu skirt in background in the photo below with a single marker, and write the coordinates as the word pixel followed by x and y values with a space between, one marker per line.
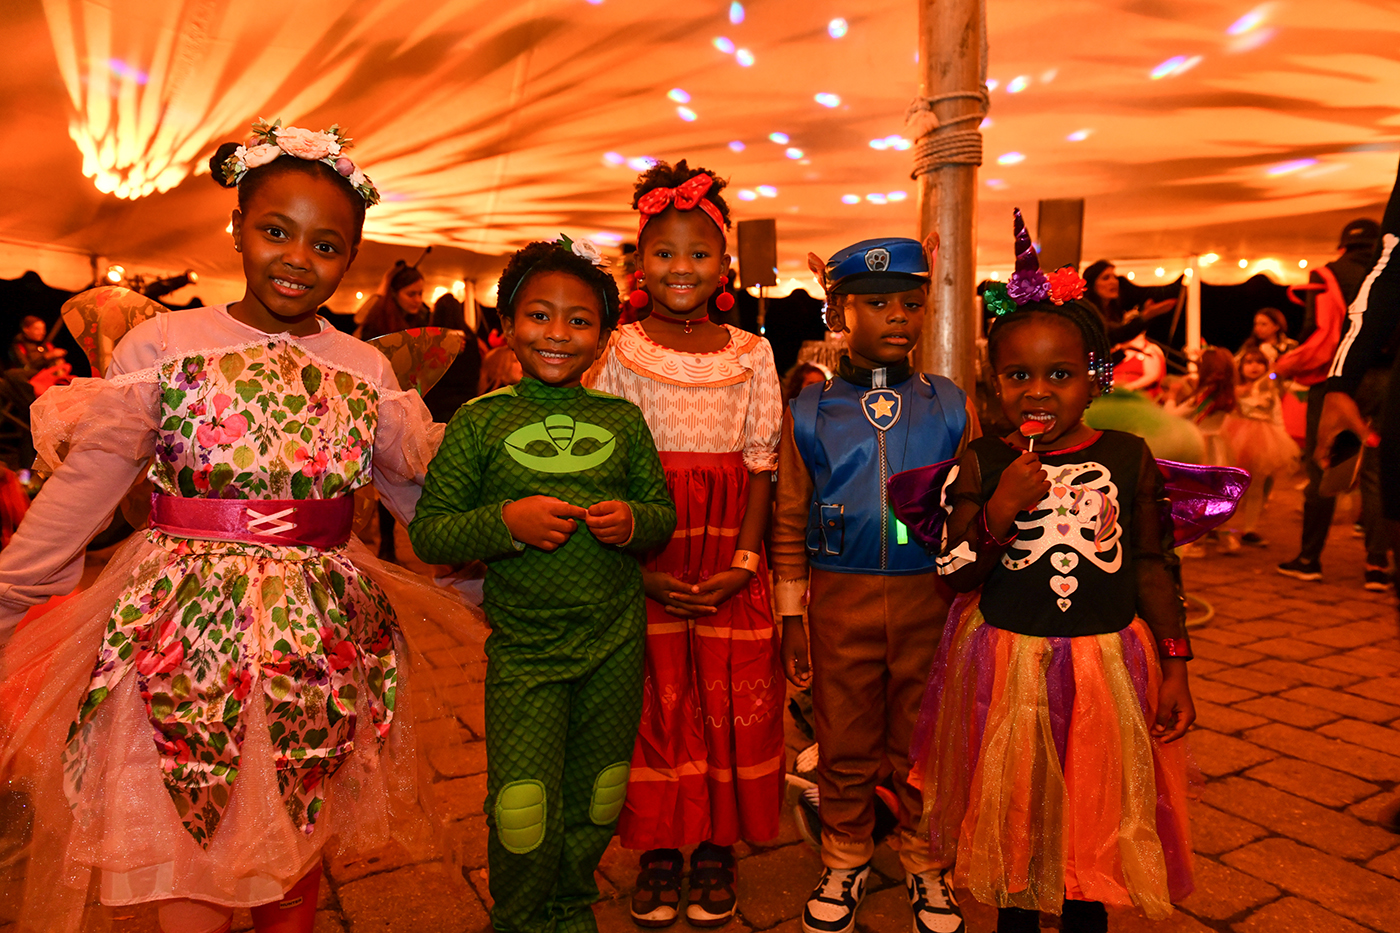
pixel 1040 779
pixel 1261 447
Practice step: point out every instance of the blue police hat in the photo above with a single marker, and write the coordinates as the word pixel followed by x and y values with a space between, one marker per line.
pixel 877 267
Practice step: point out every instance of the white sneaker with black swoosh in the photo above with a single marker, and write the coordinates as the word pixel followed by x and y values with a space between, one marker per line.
pixel 832 906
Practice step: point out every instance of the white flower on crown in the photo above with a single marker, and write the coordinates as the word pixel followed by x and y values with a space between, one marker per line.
pixel 357 178
pixel 587 249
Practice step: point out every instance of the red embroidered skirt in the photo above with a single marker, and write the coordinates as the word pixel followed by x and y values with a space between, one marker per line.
pixel 708 763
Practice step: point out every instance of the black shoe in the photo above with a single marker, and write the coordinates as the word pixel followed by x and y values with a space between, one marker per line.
pixel 832 906
pixel 935 907
pixel 712 900
pixel 1377 580
pixel 1253 540
pixel 657 900
pixel 1299 569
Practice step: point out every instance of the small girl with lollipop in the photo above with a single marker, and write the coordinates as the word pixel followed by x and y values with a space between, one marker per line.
pixel 1047 742
pixel 709 761
pixel 234 693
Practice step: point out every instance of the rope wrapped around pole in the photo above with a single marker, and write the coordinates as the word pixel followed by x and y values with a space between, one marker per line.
pixel 937 143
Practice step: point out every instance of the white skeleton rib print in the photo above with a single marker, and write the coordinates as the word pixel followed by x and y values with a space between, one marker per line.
pixel 1079 512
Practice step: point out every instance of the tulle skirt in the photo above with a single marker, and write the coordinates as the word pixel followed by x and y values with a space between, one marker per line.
pixel 121 839
pixel 1040 779
pixel 1261 447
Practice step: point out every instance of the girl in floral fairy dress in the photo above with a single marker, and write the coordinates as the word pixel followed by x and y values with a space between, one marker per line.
pixel 708 766
pixel 234 693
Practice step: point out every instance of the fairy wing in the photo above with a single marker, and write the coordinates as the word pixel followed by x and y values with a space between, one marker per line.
pixel 99 317
pixel 919 500
pixel 1202 497
pixel 420 355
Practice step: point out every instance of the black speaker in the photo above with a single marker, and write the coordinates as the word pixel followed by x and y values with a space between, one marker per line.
pixel 1060 230
pixel 758 252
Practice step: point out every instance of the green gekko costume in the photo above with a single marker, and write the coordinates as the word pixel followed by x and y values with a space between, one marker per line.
pixel 564 676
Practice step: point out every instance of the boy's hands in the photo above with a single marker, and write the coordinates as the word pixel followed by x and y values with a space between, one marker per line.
pixel 1175 711
pixel 796 664
pixel 1022 485
pixel 610 522
pixel 542 521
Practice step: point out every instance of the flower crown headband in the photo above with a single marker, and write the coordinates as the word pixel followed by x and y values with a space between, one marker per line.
pixel 271 140
pixel 1029 285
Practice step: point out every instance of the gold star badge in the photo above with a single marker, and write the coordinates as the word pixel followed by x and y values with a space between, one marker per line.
pixel 883 408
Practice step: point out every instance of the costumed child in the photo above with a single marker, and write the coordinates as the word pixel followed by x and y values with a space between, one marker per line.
pixel 708 767
pixel 1205 399
pixel 234 693
pixel 876 607
pixel 1255 434
pixel 1047 743
pixel 558 488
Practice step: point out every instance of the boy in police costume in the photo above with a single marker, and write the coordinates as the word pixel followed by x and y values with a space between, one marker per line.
pixel 876 607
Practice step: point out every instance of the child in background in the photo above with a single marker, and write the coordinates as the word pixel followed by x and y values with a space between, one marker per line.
pixel 876 605
pixel 1255 434
pixel 1206 398
pixel 235 692
pixel 520 472
pixel 709 763
pixel 1047 743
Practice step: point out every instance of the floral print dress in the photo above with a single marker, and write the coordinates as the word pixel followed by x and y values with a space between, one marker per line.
pixel 205 717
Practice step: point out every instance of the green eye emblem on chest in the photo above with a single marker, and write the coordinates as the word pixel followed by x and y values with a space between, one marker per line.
pixel 555 440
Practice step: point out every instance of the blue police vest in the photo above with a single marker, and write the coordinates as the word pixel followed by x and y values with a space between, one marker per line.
pixel 853 439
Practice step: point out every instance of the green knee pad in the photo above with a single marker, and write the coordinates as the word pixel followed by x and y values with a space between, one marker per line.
pixel 520 809
pixel 609 793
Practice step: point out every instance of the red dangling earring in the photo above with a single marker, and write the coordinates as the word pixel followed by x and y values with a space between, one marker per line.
pixel 724 301
pixel 639 297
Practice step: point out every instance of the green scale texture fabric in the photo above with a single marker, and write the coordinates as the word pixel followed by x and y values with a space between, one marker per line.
pixel 564 678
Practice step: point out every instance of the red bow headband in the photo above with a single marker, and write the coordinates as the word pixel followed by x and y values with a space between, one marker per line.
pixel 685 197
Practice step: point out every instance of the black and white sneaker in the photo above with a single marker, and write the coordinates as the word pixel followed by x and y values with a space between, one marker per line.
pixel 1377 579
pixel 712 899
pixel 832 906
pixel 657 898
pixel 935 907
pixel 1299 569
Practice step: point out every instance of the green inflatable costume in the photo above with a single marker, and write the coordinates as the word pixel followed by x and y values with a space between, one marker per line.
pixel 564 675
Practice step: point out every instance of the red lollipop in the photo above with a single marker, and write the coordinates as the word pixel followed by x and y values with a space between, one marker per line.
pixel 1031 429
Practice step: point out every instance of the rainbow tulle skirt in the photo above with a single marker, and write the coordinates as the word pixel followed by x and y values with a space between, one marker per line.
pixel 1041 781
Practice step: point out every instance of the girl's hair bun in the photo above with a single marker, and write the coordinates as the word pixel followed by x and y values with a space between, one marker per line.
pixel 216 165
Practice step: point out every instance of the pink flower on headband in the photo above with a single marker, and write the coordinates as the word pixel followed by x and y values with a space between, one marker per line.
pixel 305 144
pixel 261 155
pixel 1065 285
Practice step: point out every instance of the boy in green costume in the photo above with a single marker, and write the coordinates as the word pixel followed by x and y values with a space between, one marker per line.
pixel 519 471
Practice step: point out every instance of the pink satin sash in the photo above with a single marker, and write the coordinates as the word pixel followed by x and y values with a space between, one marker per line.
pixel 318 523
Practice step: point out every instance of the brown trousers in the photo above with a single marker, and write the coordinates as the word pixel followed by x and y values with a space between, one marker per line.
pixel 872 640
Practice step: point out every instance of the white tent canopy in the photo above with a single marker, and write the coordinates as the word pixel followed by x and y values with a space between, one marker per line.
pixel 1189 126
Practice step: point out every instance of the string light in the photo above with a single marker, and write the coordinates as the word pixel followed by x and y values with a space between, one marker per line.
pixel 837 28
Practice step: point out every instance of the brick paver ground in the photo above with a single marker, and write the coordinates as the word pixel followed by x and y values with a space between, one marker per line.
pixel 1297 687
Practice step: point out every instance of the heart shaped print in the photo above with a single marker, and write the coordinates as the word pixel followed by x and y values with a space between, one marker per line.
pixel 1064 561
pixel 1063 586
pixel 1063 529
pixel 1063 604
pixel 1059 492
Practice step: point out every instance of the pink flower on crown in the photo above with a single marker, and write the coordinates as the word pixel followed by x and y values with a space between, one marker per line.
pixel 305 144
pixel 357 178
pixel 261 155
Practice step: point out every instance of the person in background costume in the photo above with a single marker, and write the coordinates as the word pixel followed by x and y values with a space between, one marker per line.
pixel 1331 312
pixel 709 763
pixel 558 488
pixel 876 608
pixel 1372 326
pixel 1047 741
pixel 235 693
pixel 1103 289
pixel 1257 439
pixel 1269 336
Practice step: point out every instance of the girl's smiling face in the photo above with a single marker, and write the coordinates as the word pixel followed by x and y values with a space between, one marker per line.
pixel 297 236
pixel 1042 371
pixel 683 259
pixel 557 328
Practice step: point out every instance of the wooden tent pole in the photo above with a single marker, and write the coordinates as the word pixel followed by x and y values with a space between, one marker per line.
pixel 952 58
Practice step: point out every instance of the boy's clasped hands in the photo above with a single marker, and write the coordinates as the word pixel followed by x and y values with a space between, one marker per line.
pixel 546 522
